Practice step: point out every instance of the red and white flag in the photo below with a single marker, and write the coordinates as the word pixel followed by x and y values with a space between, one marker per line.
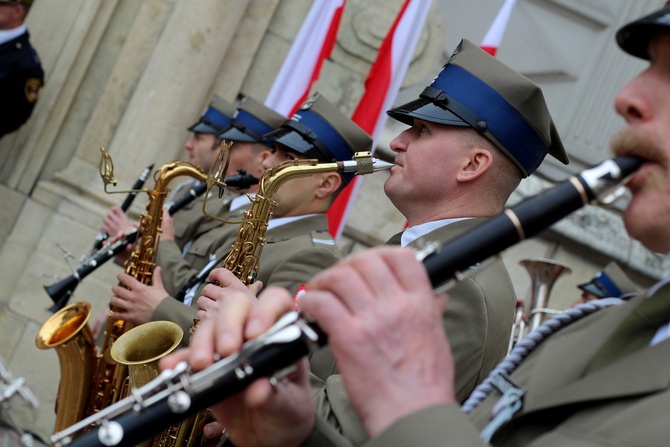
pixel 494 35
pixel 381 89
pixel 302 65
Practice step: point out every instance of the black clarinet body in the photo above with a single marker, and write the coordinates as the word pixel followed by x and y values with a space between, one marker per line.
pixel 61 291
pixel 157 404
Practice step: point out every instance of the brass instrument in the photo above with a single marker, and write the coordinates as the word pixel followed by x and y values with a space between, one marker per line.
pixel 101 237
pixel 141 348
pixel 91 381
pixel 61 291
pixel 243 259
pixel 543 274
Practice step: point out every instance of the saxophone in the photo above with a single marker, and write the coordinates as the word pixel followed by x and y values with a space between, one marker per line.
pixel 243 259
pixel 91 381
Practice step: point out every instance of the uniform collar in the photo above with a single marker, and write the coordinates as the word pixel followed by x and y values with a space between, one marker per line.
pixel 413 233
pixel 11 34
pixel 240 201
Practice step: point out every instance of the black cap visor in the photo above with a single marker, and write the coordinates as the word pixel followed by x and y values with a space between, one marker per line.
pixel 300 139
pixel 234 133
pixel 426 110
pixel 203 127
pixel 593 289
pixel 634 38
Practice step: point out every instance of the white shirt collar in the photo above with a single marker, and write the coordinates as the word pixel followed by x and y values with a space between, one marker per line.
pixel 413 233
pixel 8 34
pixel 240 201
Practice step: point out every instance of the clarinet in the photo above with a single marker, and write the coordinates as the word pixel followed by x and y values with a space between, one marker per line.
pixel 61 291
pixel 175 394
pixel 241 180
pixel 101 237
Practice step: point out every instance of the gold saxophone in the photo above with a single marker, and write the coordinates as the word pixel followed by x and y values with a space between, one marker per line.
pixel 68 331
pixel 243 259
pixel 141 348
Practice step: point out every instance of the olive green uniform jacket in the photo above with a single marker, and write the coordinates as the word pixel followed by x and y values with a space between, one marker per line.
pixel 294 252
pixel 187 220
pixel 623 404
pixel 478 321
pixel 205 237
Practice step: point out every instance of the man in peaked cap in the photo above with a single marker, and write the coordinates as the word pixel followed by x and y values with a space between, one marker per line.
pixel 601 381
pixel 479 92
pixel 611 282
pixel 202 147
pixel 475 132
pixel 179 259
pixel 298 244
pixel 21 73
pixel 249 149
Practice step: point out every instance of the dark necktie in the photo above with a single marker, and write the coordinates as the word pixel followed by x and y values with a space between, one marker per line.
pixel 635 331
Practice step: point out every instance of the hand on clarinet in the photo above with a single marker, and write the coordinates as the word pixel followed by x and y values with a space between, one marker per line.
pixel 264 415
pixel 167 227
pixel 116 221
pixel 221 283
pixel 384 327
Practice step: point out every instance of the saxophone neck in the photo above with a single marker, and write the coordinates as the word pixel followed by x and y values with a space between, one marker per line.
pixel 168 172
pixel 362 163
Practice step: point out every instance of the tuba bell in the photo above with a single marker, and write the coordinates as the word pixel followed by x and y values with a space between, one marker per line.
pixel 543 274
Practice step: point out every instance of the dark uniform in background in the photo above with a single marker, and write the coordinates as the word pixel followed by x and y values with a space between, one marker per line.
pixel 21 75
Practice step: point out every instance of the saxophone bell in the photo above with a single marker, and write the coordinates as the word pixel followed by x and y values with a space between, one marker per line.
pixel 67 332
pixel 91 381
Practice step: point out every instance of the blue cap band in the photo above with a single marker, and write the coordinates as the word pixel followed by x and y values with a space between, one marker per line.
pixel 254 126
pixel 502 120
pixel 331 139
pixel 608 284
pixel 215 117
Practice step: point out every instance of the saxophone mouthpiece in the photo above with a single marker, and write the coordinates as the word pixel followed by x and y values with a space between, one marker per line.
pixel 379 165
pixel 365 163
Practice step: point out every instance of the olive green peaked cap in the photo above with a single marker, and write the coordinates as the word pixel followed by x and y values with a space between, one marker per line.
pixel 251 121
pixel 318 129
pixel 477 90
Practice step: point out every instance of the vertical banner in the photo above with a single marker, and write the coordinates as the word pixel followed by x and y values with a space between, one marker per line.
pixel 381 88
pixel 494 35
pixel 302 65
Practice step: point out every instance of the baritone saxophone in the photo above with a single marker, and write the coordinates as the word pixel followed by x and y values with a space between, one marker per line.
pixel 92 380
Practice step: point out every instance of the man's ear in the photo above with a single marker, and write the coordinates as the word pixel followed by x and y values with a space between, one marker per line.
pixel 259 159
pixel 329 183
pixel 479 162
